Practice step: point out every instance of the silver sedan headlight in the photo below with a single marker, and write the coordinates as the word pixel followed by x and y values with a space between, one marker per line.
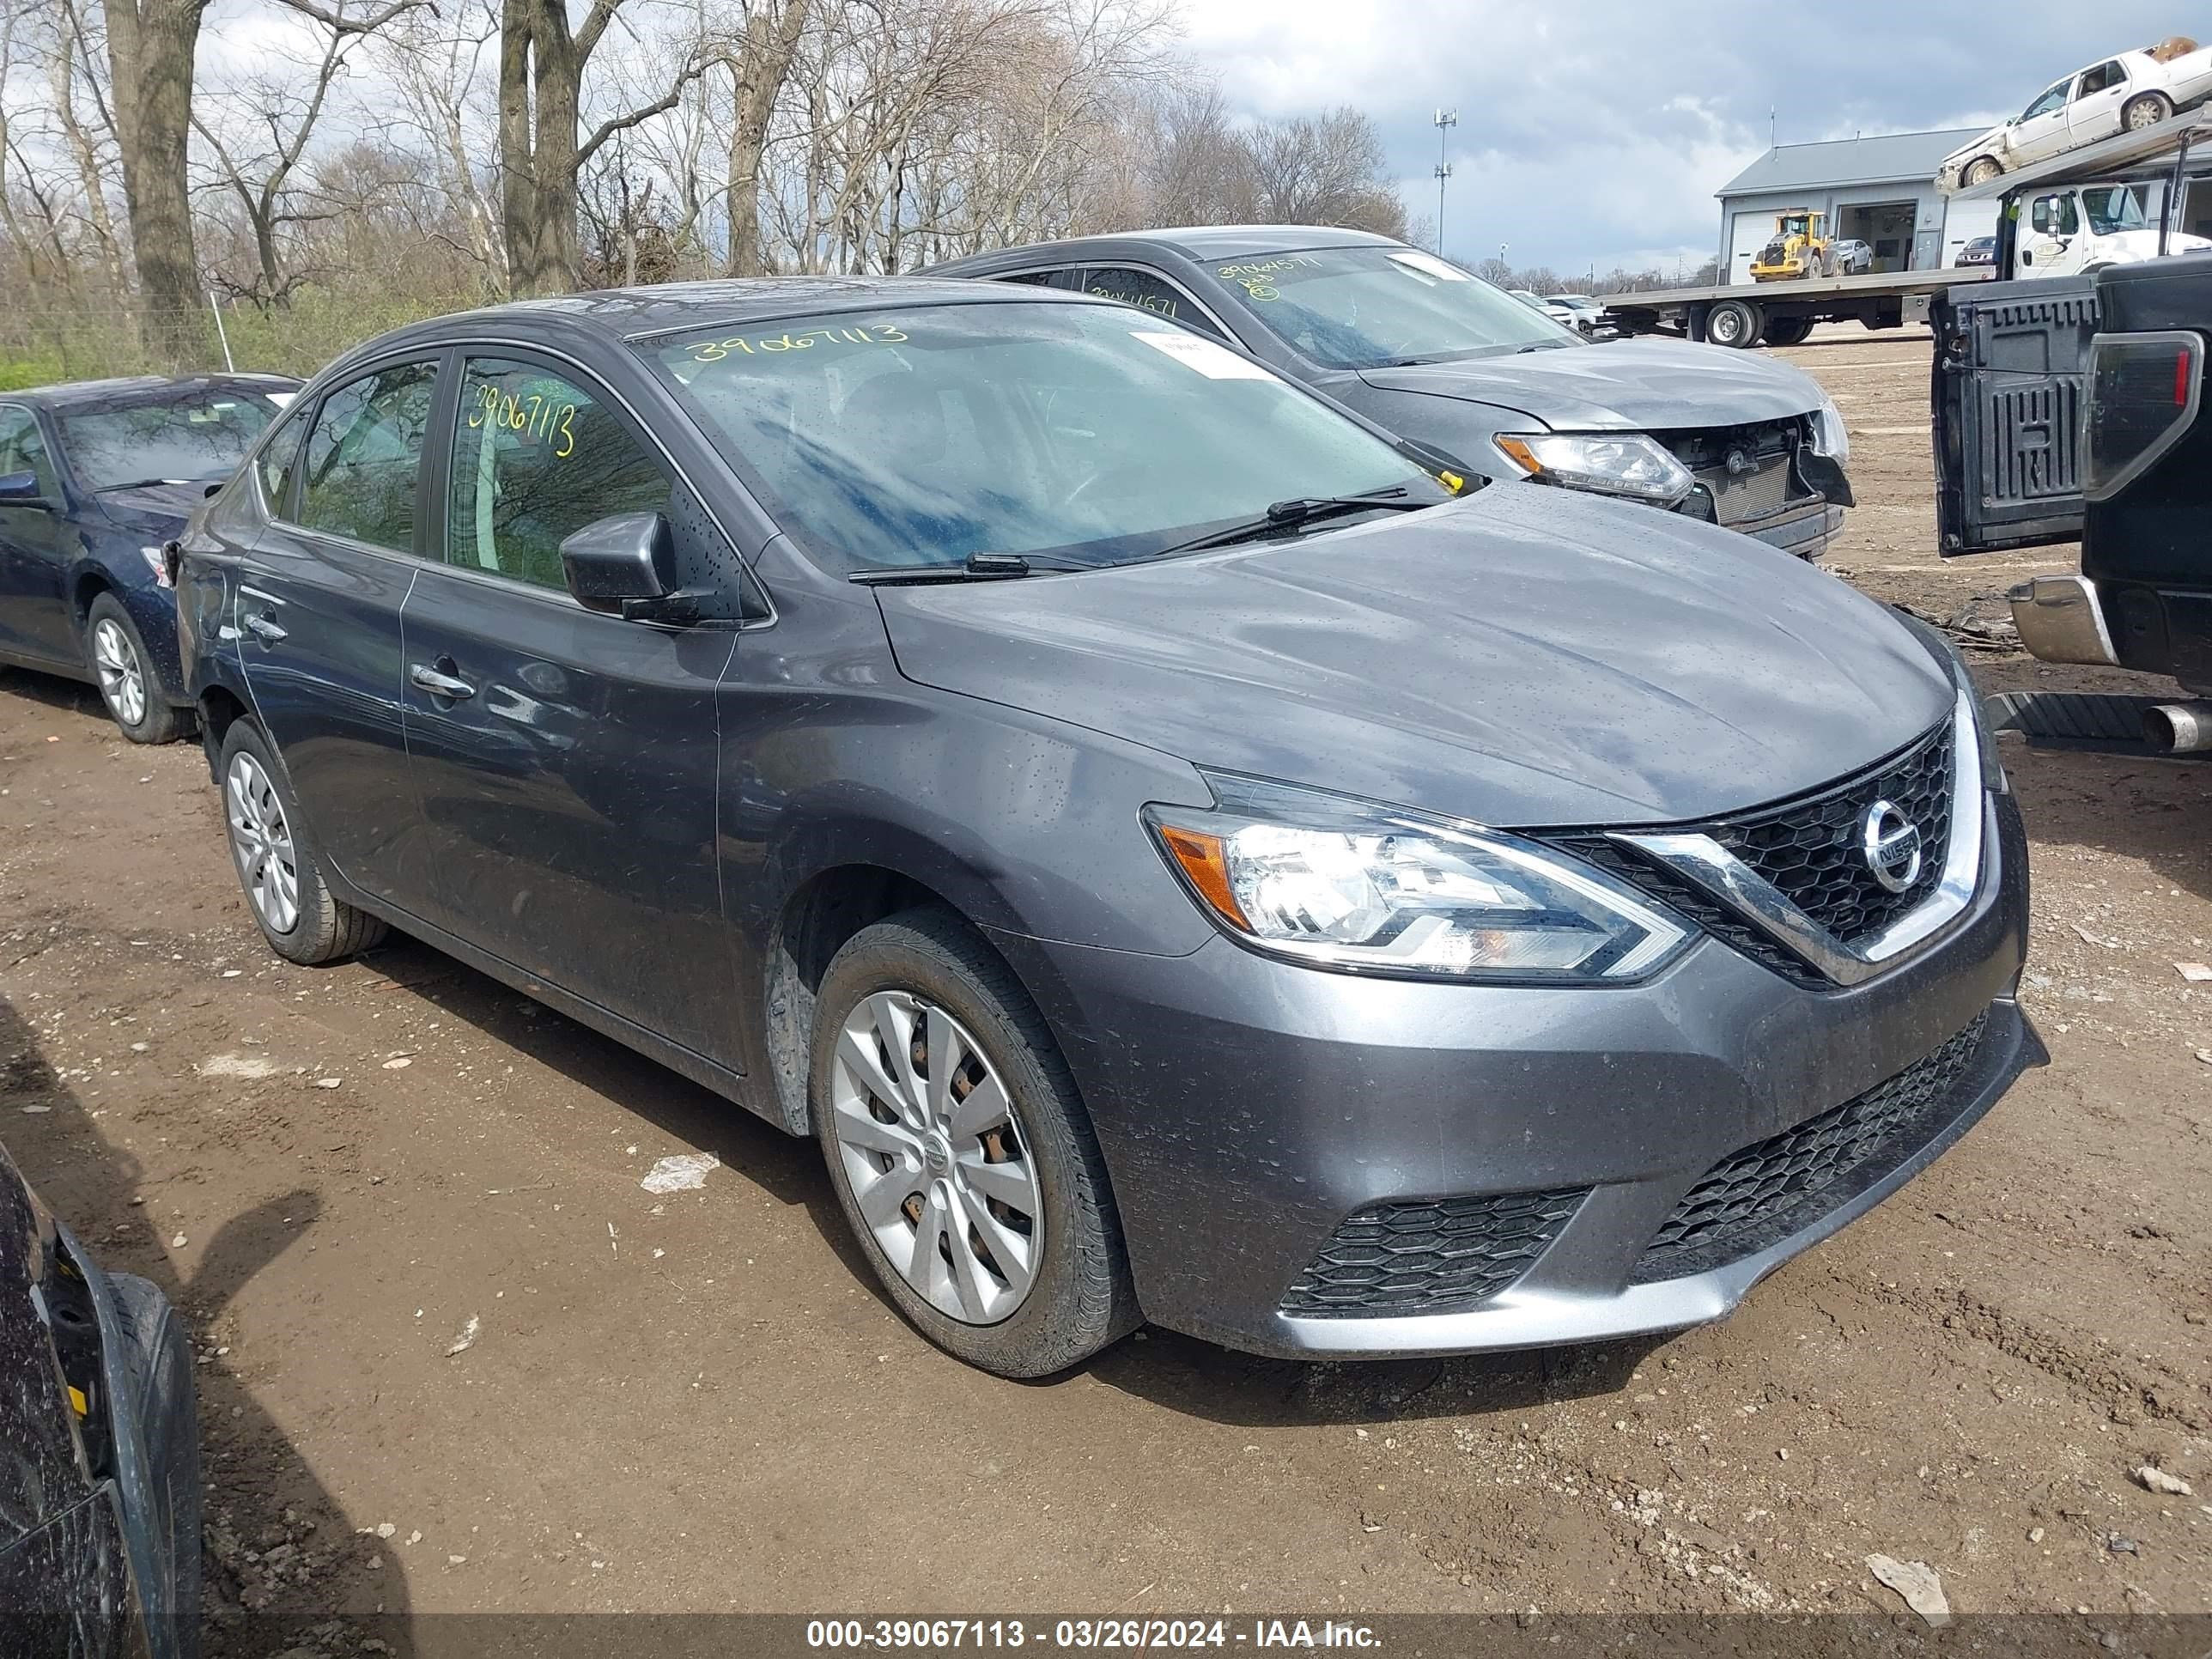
pixel 1366 889
pixel 1830 436
pixel 1610 463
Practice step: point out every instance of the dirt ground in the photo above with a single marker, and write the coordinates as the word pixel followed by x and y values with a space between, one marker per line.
pixel 453 1357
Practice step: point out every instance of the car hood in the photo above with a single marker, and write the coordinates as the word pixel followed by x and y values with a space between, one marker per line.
pixel 1529 657
pixel 153 509
pixel 1630 386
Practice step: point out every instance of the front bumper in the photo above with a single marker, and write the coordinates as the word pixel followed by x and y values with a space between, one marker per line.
pixel 1804 528
pixel 1248 1108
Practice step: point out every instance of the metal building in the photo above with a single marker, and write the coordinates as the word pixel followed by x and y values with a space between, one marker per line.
pixel 1880 190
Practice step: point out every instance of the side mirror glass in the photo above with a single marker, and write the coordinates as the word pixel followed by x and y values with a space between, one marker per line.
pixel 618 561
pixel 21 490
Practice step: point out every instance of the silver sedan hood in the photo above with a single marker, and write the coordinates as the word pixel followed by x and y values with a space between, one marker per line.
pixel 1529 656
pixel 1626 386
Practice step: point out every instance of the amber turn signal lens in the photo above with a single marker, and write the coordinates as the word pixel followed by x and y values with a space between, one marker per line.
pixel 1520 454
pixel 1203 864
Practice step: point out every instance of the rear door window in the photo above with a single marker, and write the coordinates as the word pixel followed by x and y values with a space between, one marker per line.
pixel 1149 292
pixel 537 457
pixel 364 455
pixel 276 463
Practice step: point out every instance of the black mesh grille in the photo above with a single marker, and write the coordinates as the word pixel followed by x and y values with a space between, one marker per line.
pixel 1427 1258
pixel 1810 848
pixel 1694 903
pixel 1768 1190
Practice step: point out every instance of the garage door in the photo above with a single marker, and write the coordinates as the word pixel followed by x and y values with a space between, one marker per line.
pixel 1748 233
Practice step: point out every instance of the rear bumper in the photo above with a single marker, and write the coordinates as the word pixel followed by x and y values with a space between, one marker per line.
pixel 1254 1112
pixel 2060 621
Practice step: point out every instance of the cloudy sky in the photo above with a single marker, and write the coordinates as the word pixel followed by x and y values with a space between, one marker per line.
pixel 1598 130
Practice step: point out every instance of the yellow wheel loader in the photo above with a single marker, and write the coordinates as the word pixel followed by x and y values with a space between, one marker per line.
pixel 1800 248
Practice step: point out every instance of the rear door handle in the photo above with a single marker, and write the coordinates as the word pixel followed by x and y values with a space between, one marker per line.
pixel 437 684
pixel 263 629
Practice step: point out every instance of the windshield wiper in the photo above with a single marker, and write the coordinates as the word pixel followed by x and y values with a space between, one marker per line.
pixel 976 568
pixel 1299 510
pixel 141 484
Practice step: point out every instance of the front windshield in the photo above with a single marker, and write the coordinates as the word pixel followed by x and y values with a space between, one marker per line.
pixel 2051 100
pixel 1372 308
pixel 2112 208
pixel 183 438
pixel 1097 434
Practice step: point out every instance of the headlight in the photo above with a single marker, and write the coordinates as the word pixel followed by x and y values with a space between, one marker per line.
pixel 1830 436
pixel 1962 681
pixel 1626 464
pixel 1365 889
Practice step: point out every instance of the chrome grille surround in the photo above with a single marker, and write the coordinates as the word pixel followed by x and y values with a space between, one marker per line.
pixel 1711 867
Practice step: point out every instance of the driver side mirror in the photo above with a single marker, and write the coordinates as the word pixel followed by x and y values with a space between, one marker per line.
pixel 21 490
pixel 620 565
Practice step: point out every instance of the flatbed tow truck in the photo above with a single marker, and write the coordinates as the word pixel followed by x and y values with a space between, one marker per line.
pixel 1745 314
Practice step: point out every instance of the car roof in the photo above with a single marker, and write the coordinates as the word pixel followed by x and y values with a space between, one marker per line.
pixel 632 313
pixel 80 396
pixel 1192 241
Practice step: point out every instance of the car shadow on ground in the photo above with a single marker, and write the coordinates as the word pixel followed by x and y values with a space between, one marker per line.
pixel 786 1167
pixel 1182 1373
pixel 51 691
pixel 254 1471
pixel 1198 1379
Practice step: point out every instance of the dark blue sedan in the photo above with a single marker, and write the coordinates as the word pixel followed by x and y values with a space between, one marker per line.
pixel 93 478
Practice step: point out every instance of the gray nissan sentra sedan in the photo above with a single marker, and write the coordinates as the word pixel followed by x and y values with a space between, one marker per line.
pixel 1182 861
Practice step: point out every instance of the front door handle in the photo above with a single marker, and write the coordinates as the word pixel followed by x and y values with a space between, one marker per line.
pixel 265 629
pixel 438 685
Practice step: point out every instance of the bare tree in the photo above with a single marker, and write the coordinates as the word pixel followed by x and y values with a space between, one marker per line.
pixel 436 61
pixel 1327 169
pixel 541 90
pixel 759 57
pixel 281 106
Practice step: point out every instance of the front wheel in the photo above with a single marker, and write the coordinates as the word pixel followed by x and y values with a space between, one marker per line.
pixel 960 1153
pixel 2146 110
pixel 1982 169
pixel 124 675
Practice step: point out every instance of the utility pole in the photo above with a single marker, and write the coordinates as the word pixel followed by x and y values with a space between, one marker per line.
pixel 1445 118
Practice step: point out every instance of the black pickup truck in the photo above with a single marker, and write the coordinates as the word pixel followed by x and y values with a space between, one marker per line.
pixel 2072 408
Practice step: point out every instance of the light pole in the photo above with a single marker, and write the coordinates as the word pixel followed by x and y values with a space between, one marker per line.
pixel 1504 271
pixel 1446 117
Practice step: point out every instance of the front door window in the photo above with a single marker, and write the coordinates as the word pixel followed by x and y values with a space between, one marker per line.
pixel 535 459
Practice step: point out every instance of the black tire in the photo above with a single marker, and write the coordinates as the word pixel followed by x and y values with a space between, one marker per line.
pixel 157 722
pixel 1981 170
pixel 1788 331
pixel 1734 324
pixel 1080 1300
pixel 157 1362
pixel 2145 109
pixel 325 929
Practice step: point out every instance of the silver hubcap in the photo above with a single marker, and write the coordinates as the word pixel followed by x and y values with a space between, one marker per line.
pixel 937 1160
pixel 261 841
pixel 122 681
pixel 2145 114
